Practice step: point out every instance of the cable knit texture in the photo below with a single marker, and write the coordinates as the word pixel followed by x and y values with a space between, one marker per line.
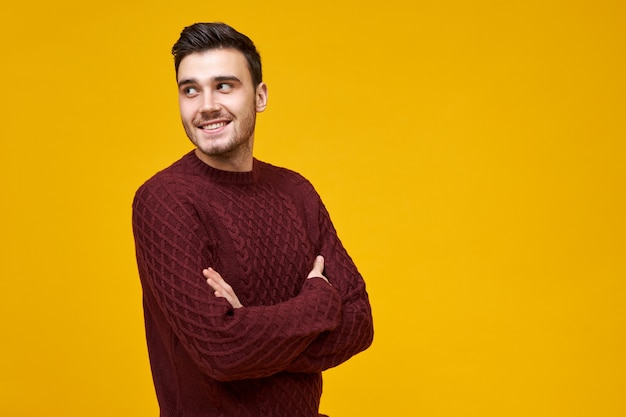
pixel 261 230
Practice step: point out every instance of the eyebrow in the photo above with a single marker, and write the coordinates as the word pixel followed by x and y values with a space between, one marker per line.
pixel 187 81
pixel 218 79
pixel 226 78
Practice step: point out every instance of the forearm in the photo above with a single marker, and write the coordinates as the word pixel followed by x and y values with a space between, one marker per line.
pixel 249 342
pixel 225 343
pixel 353 335
pixel 355 331
pixel 272 337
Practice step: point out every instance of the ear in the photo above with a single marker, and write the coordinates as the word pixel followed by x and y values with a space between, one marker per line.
pixel 261 97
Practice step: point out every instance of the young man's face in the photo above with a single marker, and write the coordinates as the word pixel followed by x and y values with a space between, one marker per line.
pixel 218 106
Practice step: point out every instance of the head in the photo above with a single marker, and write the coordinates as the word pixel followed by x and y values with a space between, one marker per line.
pixel 218 72
pixel 201 37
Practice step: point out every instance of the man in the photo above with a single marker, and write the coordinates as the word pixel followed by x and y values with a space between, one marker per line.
pixel 248 293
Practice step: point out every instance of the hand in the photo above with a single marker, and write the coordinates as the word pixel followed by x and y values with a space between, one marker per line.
pixel 318 269
pixel 221 287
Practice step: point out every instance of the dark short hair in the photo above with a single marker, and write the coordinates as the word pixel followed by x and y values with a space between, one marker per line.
pixel 201 37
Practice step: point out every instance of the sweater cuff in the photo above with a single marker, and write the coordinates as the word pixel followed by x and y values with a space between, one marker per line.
pixel 326 295
pixel 320 278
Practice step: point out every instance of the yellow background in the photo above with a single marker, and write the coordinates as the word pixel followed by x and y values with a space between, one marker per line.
pixel 471 154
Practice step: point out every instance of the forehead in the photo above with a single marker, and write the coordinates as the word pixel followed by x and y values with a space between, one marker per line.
pixel 206 65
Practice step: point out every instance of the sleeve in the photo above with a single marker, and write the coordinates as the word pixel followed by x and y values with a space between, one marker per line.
pixel 172 248
pixel 355 331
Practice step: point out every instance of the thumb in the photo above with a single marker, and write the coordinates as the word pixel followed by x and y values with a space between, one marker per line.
pixel 318 264
pixel 318 267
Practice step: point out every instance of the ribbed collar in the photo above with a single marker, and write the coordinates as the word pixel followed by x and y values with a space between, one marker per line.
pixel 196 165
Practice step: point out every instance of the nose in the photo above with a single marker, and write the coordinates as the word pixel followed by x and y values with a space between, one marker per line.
pixel 209 104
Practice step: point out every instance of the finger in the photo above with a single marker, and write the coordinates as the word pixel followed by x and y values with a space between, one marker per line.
pixel 213 284
pixel 318 264
pixel 318 267
pixel 224 290
pixel 212 273
pixel 217 282
pixel 220 287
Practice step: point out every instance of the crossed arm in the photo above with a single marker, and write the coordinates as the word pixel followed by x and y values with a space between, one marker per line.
pixel 222 289
pixel 354 331
pixel 319 328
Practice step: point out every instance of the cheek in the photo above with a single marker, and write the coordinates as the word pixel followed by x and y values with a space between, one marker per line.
pixel 187 110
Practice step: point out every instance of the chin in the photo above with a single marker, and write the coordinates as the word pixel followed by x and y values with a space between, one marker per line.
pixel 214 150
pixel 213 146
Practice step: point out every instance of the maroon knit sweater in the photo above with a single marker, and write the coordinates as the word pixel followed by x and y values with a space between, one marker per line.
pixel 261 230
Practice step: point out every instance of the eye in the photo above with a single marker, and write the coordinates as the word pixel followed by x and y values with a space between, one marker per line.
pixel 224 87
pixel 190 91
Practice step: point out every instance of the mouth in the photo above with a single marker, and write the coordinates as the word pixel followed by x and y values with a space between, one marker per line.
pixel 212 126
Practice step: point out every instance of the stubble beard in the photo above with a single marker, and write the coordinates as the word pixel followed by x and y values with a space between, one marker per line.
pixel 238 142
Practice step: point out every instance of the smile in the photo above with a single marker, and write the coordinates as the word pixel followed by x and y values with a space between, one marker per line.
pixel 213 126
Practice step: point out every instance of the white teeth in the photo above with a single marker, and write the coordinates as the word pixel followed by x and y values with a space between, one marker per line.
pixel 214 126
